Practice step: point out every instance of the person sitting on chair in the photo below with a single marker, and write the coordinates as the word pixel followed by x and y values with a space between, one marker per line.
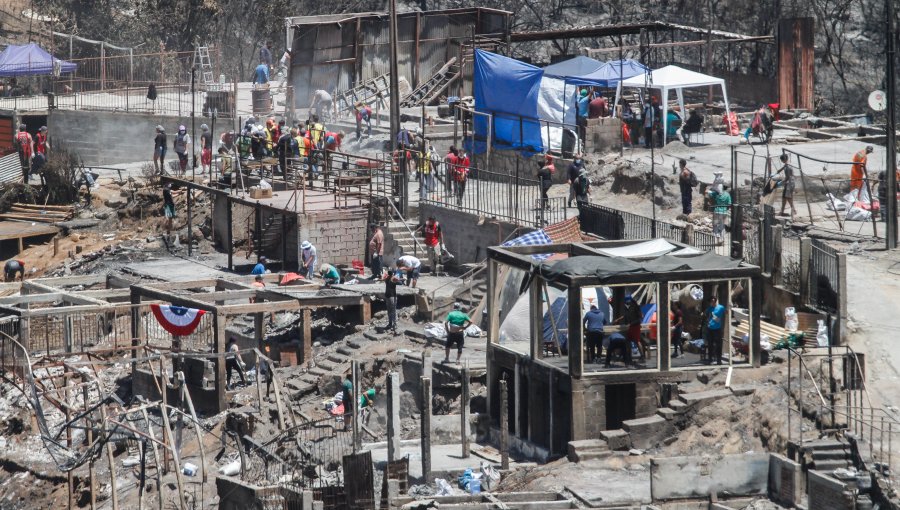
pixel 693 124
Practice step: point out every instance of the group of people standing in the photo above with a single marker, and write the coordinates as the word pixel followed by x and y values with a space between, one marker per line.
pixel 32 151
pixel 417 156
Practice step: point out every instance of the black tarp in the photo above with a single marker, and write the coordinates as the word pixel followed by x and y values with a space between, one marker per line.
pixel 605 269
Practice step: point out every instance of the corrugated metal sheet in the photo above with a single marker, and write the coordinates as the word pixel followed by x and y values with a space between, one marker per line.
pixel 323 41
pixel 10 168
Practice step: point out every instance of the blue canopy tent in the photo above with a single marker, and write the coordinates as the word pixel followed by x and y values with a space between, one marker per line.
pixel 574 69
pixel 509 90
pixel 31 60
pixel 612 72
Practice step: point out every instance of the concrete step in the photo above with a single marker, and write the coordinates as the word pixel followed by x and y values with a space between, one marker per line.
pixel 830 465
pixel 326 364
pixel 701 399
pixel 345 350
pixel 336 357
pixel 824 444
pixel 667 413
pixel 318 371
pixel 616 439
pixel 310 378
pixel 818 455
pixel 678 406
pixel 588 449
pixel 647 432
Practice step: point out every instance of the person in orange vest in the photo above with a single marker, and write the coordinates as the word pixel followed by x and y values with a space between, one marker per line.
pixel 858 173
pixel 434 241
pixel 25 147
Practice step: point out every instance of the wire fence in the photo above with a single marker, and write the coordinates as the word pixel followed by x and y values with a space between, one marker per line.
pixel 308 456
pixel 824 277
pixel 613 224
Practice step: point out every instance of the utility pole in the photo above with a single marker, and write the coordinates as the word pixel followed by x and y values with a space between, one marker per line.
pixel 395 109
pixel 891 165
pixel 193 128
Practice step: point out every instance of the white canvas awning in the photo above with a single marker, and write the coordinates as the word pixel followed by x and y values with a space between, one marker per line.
pixel 673 78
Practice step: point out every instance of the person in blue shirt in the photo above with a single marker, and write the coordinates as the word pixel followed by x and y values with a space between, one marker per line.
pixel 594 321
pixel 618 341
pixel 260 267
pixel 583 102
pixel 261 75
pixel 715 316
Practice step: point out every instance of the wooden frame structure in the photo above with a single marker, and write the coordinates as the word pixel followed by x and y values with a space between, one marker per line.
pixel 575 397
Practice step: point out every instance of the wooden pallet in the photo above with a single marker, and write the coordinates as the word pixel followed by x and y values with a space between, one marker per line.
pixel 39 213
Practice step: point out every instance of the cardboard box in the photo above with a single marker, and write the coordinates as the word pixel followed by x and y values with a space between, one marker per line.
pixel 257 193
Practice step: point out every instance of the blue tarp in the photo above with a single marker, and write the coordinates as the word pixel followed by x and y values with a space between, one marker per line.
pixel 508 89
pixel 29 60
pixel 573 68
pixel 560 311
pixel 611 72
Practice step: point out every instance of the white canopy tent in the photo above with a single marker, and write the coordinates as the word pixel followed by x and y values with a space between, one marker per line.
pixel 673 78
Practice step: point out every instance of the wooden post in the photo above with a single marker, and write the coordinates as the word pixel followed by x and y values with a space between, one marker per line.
pixel 70 476
pixel 229 237
pixel 464 412
pixel 805 254
pixel 426 428
pixel 186 396
pixel 306 336
pixel 504 426
pixel 777 232
pixel 354 416
pixel 111 459
pixel 159 484
pixel 219 322
pixel 102 65
pixel 55 246
pixel 90 440
pixel 164 410
pixel 576 339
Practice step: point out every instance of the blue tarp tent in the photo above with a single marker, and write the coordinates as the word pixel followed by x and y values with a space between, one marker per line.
pixel 509 89
pixel 611 72
pixel 30 60
pixel 574 69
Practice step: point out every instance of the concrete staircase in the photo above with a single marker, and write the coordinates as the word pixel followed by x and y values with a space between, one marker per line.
pixel 588 449
pixel 398 242
pixel 825 455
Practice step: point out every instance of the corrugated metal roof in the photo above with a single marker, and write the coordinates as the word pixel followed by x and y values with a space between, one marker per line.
pixel 10 168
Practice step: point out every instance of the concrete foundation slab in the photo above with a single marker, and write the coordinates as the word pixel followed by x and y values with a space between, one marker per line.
pixel 697 477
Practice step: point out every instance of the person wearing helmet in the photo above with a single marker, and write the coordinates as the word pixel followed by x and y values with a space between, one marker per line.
pixel 24 146
pixel 159 150
pixel 333 140
pixel 206 149
pixel 182 146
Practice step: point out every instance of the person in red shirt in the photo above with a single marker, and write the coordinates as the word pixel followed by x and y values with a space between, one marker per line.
pixel 40 142
pixel 333 140
pixel 597 108
pixel 24 145
pixel 434 242
pixel 460 174
pixel 450 162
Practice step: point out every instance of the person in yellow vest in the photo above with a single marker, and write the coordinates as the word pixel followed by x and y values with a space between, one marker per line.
pixel 425 171
pixel 316 131
pixel 858 187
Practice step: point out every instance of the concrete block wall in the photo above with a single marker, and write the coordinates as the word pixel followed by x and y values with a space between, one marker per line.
pixel 107 138
pixel 603 135
pixel 785 476
pixel 826 493
pixel 339 236
pixel 465 239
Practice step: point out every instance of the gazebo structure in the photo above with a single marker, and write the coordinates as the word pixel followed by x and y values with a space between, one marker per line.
pixel 557 394
pixel 675 78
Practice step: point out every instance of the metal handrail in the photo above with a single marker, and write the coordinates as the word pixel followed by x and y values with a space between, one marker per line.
pixel 416 246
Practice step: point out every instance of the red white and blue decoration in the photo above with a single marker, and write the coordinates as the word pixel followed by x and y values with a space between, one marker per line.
pixel 177 320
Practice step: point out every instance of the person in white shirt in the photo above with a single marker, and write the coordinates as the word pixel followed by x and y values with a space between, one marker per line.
pixel 308 259
pixel 411 266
